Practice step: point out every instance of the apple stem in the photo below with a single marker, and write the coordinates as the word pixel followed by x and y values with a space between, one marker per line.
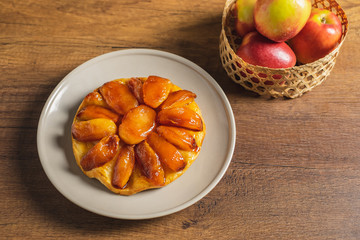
pixel 323 20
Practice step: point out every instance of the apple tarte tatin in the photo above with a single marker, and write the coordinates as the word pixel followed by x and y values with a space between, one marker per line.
pixel 136 134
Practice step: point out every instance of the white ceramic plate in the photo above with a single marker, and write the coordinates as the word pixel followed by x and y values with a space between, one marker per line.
pixel 54 137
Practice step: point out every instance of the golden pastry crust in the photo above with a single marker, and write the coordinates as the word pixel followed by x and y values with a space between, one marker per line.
pixel 137 181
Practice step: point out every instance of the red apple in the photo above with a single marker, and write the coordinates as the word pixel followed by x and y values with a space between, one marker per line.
pixel 258 50
pixel 280 20
pixel 244 13
pixel 319 37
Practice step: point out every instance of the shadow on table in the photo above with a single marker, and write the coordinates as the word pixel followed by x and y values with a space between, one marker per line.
pixel 200 44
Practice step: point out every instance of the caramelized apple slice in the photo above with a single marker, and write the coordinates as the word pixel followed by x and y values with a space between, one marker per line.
pixel 167 153
pixel 94 111
pixel 180 117
pixel 94 98
pixel 92 130
pixel 150 163
pixel 123 167
pixel 178 99
pixel 103 152
pixel 137 124
pixel 118 97
pixel 136 87
pixel 156 90
pixel 179 137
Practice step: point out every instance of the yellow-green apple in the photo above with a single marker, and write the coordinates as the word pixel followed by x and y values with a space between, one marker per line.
pixel 244 14
pixel 319 36
pixel 280 20
pixel 258 50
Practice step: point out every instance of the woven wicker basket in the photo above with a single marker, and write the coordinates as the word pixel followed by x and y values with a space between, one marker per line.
pixel 287 82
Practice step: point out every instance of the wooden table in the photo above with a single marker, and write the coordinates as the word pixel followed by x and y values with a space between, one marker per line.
pixel 295 173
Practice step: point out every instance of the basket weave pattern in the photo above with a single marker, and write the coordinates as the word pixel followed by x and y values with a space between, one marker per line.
pixel 287 82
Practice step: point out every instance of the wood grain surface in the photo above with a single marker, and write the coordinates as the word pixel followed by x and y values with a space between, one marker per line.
pixel 295 173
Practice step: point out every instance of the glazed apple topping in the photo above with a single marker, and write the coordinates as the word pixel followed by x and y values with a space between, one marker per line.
pixel 136 124
pixel 123 167
pixel 150 163
pixel 142 123
pixel 118 97
pixel 95 111
pixel 93 130
pixel 94 98
pixel 103 152
pixel 180 117
pixel 177 99
pixel 136 87
pixel 167 153
pixel 179 137
pixel 156 90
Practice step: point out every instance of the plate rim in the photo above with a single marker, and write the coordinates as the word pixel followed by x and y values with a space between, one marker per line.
pixel 207 77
